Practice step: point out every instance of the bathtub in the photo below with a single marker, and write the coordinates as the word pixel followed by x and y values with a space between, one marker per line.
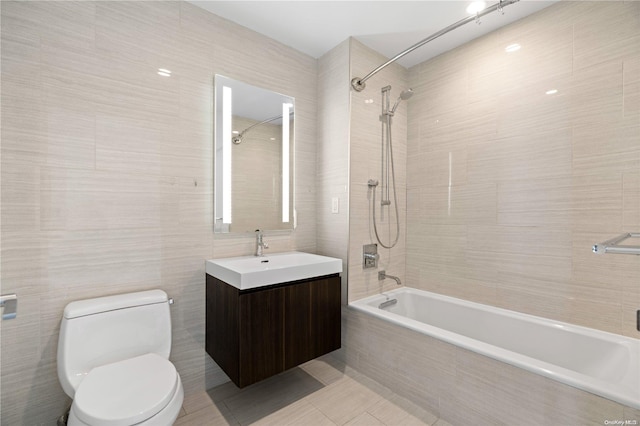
pixel 595 361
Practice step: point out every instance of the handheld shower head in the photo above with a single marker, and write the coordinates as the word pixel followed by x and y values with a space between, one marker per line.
pixel 404 95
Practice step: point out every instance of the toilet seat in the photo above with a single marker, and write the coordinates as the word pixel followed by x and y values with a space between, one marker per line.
pixel 127 392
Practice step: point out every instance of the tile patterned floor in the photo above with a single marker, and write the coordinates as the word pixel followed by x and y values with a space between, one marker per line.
pixel 322 392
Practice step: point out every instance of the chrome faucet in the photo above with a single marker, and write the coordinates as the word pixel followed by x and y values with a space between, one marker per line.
pixel 383 274
pixel 260 245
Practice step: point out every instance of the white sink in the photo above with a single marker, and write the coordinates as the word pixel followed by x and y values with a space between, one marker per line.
pixel 251 271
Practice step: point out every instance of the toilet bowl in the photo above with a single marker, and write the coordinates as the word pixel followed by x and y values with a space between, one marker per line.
pixel 113 361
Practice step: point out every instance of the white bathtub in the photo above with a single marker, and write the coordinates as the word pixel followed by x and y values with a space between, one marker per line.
pixel 602 363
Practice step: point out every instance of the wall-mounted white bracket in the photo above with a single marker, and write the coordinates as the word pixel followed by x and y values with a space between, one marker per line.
pixel 9 303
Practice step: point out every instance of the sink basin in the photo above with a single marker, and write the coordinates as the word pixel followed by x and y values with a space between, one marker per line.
pixel 251 271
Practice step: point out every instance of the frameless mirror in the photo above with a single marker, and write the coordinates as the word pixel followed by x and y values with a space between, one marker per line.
pixel 253 158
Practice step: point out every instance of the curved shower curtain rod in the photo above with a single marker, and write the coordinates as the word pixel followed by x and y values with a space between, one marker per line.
pixel 238 139
pixel 358 83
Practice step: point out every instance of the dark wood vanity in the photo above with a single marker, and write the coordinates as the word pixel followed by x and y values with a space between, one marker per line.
pixel 257 333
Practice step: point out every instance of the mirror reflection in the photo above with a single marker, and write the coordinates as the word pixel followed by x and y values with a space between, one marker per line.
pixel 253 158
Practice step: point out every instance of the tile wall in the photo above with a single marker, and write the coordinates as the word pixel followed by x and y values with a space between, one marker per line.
pixel 349 155
pixel 509 187
pixel 333 156
pixel 365 151
pixel 107 171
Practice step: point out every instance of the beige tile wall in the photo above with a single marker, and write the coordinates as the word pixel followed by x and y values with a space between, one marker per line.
pixel 107 171
pixel 349 155
pixel 333 156
pixel 508 188
pixel 365 163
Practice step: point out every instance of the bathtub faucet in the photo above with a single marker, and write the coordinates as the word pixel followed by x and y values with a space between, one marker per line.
pixel 383 274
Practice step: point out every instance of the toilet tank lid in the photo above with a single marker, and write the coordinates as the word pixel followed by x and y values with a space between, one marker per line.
pixel 85 307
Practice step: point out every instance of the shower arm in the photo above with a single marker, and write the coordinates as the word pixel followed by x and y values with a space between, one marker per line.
pixel 358 83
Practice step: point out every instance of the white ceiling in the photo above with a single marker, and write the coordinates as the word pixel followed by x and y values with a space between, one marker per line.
pixel 389 27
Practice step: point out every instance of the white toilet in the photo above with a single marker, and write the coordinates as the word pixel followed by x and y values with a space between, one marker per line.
pixel 113 361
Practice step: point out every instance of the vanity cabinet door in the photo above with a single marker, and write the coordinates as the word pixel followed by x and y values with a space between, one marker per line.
pixel 222 325
pixel 261 337
pixel 326 316
pixel 312 320
pixel 297 327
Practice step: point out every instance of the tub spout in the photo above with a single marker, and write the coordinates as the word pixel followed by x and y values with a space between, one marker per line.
pixel 383 274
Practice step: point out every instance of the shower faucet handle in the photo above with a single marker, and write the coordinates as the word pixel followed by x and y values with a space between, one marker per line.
pixel 370 256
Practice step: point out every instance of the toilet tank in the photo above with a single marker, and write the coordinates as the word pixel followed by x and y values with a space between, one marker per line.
pixel 103 330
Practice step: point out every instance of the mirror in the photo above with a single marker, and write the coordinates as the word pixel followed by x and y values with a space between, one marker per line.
pixel 253 158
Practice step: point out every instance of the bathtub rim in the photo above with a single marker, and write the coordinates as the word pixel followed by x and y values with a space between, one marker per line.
pixel 560 374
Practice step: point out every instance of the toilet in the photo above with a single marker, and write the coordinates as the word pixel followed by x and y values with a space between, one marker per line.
pixel 113 361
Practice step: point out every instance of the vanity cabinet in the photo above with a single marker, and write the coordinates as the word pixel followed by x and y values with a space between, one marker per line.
pixel 257 333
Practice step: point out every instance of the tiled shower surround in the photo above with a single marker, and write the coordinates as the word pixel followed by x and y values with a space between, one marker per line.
pixel 516 164
pixel 508 187
pixel 509 184
pixel 107 186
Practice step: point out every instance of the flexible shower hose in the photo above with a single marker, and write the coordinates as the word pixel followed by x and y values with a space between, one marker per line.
pixel 395 197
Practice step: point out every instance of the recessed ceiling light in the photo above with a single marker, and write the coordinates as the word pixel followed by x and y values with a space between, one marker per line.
pixel 512 48
pixel 475 7
pixel 551 92
pixel 164 72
